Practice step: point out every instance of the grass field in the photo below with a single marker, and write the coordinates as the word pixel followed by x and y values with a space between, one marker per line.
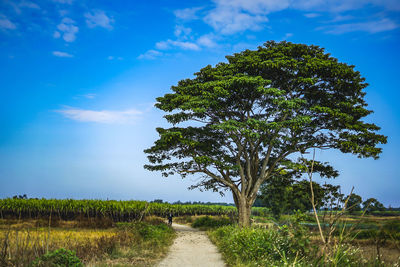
pixel 104 239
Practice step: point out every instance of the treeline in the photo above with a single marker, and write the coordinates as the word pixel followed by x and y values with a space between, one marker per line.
pixel 284 195
pixel 193 203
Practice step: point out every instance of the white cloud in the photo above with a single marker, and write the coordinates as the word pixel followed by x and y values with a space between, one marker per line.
pixel 68 29
pixel 6 24
pixel 232 16
pixel 89 96
pixel 254 6
pixel 370 27
pixel 98 18
pixel 169 44
pixel 338 18
pixel 312 15
pixel 112 58
pixel 182 31
pixel 56 35
pixel 207 40
pixel 342 5
pixel 61 54
pixel 102 116
pixel 187 13
pixel 151 54
pixel 288 35
pixel 229 21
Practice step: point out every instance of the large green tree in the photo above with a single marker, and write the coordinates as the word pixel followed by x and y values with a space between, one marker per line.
pixel 241 122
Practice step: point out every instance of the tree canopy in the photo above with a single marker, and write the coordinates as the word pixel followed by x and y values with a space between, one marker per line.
pixel 372 204
pixel 242 122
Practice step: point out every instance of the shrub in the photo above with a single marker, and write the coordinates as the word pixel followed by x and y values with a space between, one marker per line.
pixel 265 247
pixel 58 258
pixel 209 222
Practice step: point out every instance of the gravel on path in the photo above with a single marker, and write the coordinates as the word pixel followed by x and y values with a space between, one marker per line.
pixel 192 248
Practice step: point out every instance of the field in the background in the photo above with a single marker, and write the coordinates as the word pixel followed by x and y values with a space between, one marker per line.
pixel 117 211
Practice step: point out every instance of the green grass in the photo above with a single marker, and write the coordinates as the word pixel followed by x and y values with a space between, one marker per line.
pixel 207 222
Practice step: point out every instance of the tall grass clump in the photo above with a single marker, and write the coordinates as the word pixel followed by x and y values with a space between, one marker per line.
pixel 260 247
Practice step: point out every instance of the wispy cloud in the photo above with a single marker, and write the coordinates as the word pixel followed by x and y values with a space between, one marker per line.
pixel 98 18
pixel 370 27
pixel 169 44
pixel 64 1
pixel 68 30
pixel 28 4
pixel 336 6
pixel 312 15
pixel 229 17
pixel 288 35
pixel 207 40
pixel 181 31
pixel 89 96
pixel 150 54
pixel 102 116
pixel 115 58
pixel 6 24
pixel 61 54
pixel 187 13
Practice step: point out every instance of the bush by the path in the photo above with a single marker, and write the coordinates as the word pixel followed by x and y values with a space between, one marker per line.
pixel 208 222
pixel 58 258
pixel 258 247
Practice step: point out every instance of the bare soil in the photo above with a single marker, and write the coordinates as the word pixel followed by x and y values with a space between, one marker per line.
pixel 192 248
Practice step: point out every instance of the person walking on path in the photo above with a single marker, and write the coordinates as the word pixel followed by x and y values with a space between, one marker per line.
pixel 170 218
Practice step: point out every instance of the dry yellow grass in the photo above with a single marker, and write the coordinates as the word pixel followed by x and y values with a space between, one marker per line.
pixel 23 241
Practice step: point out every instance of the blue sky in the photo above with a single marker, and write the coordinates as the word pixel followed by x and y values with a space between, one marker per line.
pixel 79 80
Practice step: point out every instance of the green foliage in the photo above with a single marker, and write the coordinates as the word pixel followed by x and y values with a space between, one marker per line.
pixel 342 255
pixel 372 204
pixel 388 231
pixel 354 203
pixel 58 258
pixel 283 194
pixel 211 222
pixel 259 247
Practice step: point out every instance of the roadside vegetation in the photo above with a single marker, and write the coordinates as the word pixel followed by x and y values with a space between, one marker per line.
pixel 294 241
pixel 32 242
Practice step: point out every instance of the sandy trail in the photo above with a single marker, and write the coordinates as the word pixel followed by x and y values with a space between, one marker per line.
pixel 192 248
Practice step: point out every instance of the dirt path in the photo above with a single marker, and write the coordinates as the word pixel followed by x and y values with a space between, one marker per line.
pixel 192 248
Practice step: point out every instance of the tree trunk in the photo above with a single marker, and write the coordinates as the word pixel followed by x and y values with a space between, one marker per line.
pixel 244 209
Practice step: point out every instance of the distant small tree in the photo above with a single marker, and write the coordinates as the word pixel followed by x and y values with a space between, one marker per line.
pixel 354 202
pixel 286 196
pixel 372 204
pixel 24 196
